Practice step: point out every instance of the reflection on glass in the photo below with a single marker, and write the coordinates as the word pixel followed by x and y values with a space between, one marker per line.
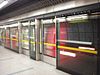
pixel 32 41
pixel 7 38
pixel 49 38
pixel 3 36
pixel 1 39
pixel 14 38
pixel 32 37
pixel 78 33
pixel 25 43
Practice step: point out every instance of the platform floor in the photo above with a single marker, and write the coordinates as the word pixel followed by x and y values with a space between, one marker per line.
pixel 12 63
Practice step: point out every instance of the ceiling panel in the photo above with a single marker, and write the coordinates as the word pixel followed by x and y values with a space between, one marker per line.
pixel 25 6
pixel 9 3
pixel 1 1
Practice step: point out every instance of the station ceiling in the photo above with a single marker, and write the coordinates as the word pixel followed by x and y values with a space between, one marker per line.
pixel 26 6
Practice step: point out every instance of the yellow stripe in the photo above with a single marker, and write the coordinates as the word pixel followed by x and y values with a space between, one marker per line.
pixel 7 38
pixel 2 37
pixel 49 44
pixel 72 49
pixel 32 42
pixel 25 41
pixel 64 47
pixel 14 39
pixel 28 41
pixel 77 49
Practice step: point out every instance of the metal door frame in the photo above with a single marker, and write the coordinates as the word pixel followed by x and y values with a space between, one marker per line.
pixel 46 58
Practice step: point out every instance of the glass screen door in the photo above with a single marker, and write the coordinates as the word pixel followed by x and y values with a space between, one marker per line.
pixel 32 40
pixel 14 38
pixel 48 41
pixel 7 41
pixel 77 44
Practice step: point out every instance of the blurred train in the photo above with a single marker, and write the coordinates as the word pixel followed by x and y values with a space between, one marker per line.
pixel 50 38
pixel 9 38
pixel 77 43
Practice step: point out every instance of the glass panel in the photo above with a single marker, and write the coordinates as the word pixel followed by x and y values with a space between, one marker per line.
pixel 7 44
pixel 14 38
pixel 78 44
pixel 40 41
pixel 25 37
pixel 32 41
pixel 49 37
pixel 0 36
pixel 3 37
pixel 32 37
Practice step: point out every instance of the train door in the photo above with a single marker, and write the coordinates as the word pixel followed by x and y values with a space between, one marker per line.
pixel 7 37
pixel 48 39
pixel 25 38
pixel 14 38
pixel 32 39
pixel 2 35
pixel 77 47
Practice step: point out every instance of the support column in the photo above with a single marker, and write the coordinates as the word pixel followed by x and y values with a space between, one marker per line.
pixel 37 32
pixel 20 38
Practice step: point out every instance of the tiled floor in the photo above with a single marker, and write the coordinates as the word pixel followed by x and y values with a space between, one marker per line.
pixel 12 63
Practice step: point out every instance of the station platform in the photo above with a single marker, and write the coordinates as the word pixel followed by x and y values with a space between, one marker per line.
pixel 12 63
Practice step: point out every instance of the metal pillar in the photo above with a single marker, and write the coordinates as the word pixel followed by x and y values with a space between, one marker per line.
pixel 37 32
pixel 20 38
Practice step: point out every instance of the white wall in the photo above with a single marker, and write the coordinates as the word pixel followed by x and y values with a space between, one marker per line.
pixel 62 6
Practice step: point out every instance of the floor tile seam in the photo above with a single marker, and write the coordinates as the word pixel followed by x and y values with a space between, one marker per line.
pixel 30 68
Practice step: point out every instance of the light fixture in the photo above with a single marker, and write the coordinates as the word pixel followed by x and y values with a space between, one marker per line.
pixel 86 48
pixel 47 21
pixel 3 4
pixel 25 23
pixel 12 25
pixel 77 17
pixel 68 53
pixel 32 23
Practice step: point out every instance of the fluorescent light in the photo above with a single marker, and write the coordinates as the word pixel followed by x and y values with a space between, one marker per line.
pixel 68 53
pixel 76 17
pixel 32 23
pixel 76 42
pixel 87 48
pixel 25 23
pixel 12 25
pixel 47 21
pixel 1 26
pixel 11 20
pixel 61 19
pixel 3 4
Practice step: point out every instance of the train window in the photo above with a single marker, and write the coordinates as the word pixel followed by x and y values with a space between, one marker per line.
pixel 7 42
pixel 25 38
pixel 32 40
pixel 77 46
pixel 2 36
pixel 49 36
pixel 14 38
